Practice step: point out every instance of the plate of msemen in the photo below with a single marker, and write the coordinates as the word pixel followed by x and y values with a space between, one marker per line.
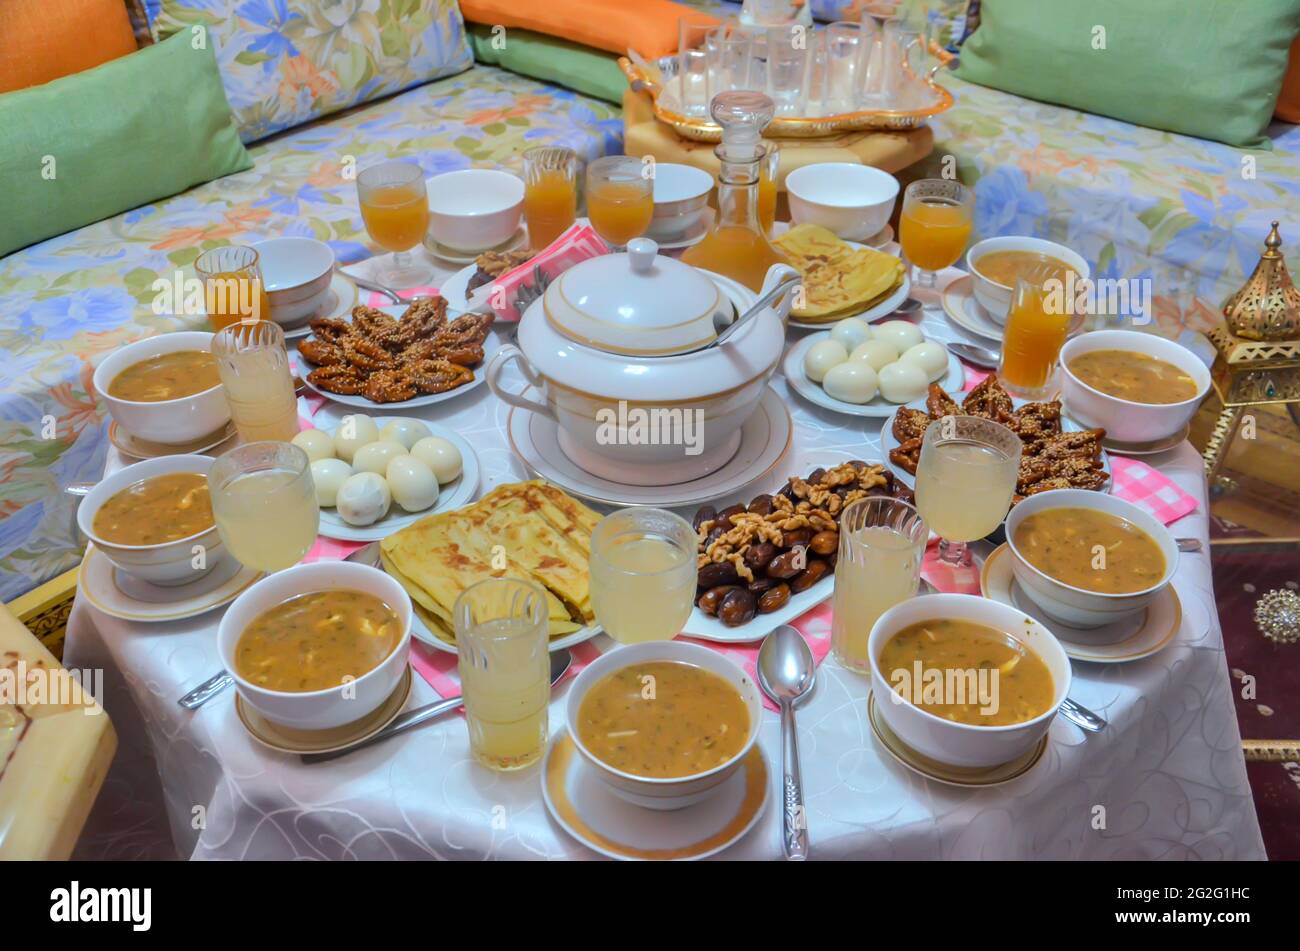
pixel 841 278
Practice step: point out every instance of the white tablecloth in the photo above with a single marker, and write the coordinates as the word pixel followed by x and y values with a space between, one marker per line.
pixel 1168 771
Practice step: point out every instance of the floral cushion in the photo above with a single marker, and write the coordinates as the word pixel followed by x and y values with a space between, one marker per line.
pixel 71 300
pixel 285 62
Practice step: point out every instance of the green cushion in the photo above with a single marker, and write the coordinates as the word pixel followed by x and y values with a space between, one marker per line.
pixel 1208 68
pixel 592 72
pixel 88 146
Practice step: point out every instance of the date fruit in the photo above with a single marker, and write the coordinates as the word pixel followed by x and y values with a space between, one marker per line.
pixel 823 543
pixel 737 607
pixel 815 572
pixel 718 573
pixel 708 602
pixel 756 556
pixel 773 599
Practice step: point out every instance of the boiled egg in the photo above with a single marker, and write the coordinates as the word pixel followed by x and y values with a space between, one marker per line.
pixel 900 333
pixel 412 483
pixel 329 474
pixel 316 444
pixel 363 498
pixel 931 357
pixel 821 357
pixel 441 456
pixel 878 353
pixel 375 456
pixel 850 333
pixel 853 381
pixel 902 382
pixel 406 431
pixel 354 432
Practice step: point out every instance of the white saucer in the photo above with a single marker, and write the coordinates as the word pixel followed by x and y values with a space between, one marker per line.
pixel 963 310
pixel 764 440
pixel 120 595
pixel 691 240
pixel 454 256
pixel 138 448
pixel 578 799
pixel 284 739
pixel 1140 636
pixel 344 296
pixel 878 406
pixel 453 290
pixel 453 495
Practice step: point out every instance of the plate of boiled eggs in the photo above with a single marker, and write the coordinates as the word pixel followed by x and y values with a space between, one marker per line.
pixel 375 475
pixel 870 369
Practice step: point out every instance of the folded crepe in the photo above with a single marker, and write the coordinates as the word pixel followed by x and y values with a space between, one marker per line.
pixel 838 279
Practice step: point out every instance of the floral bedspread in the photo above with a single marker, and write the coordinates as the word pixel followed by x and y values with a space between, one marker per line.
pixel 69 301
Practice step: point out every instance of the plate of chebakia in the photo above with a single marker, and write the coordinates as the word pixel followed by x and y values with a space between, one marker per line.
pixel 529 530
pixel 841 278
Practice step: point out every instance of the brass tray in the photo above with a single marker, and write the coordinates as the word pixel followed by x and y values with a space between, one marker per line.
pixel 650 78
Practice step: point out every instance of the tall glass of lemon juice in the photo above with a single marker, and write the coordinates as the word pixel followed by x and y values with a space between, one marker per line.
pixel 264 504
pixel 643 574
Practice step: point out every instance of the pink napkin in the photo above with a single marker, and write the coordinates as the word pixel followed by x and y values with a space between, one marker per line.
pixel 574 246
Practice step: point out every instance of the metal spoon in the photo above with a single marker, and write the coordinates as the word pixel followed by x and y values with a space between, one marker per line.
pixel 1081 716
pixel 368 285
pixel 560 661
pixel 726 330
pixel 79 489
pixel 786 674
pixel 979 356
pixel 909 306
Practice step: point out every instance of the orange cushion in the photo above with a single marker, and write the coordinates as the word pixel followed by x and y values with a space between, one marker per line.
pixel 43 41
pixel 648 26
pixel 1288 101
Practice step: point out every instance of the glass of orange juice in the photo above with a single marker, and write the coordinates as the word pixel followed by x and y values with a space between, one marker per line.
pixel 395 208
pixel 935 225
pixel 620 198
pixel 233 291
pixel 1031 345
pixel 550 193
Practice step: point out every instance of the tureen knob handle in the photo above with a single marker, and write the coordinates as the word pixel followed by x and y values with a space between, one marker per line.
pixel 642 251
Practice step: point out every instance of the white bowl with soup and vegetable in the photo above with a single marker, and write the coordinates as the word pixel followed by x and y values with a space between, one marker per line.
pixel 1001 678
pixel 663 723
pixel 164 389
pixel 317 646
pixel 1139 387
pixel 154 521
pixel 1089 559
pixel 996 264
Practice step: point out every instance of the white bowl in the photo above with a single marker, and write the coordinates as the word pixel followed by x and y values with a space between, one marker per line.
pixel 173 422
pixel 681 195
pixel 963 744
pixel 995 298
pixel 1079 607
pixel 168 563
pixel 474 209
pixel 1125 420
pixel 681 791
pixel 333 706
pixel 854 201
pixel 296 273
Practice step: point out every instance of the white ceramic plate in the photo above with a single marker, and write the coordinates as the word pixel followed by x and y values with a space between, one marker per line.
pixel 708 628
pixel 578 799
pixel 490 346
pixel 765 439
pixel 888 443
pixel 345 297
pixel 119 595
pixel 963 310
pixel 883 309
pixel 450 496
pixel 1144 634
pixel 877 406
pixel 453 290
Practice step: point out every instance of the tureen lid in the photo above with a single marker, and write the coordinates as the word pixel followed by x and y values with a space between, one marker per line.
pixel 639 303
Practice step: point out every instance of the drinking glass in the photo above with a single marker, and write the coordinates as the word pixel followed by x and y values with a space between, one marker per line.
pixel 693 64
pixel 233 290
pixel 729 55
pixel 1037 327
pixel 846 46
pixel 882 542
pixel 965 480
pixel 787 63
pixel 815 96
pixel 502 638
pixel 643 571
pixel 254 368
pixel 550 193
pixel 620 198
pixel 395 208
pixel 264 504
pixel 935 225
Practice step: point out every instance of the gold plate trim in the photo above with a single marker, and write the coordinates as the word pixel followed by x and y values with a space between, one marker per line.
pixel 285 739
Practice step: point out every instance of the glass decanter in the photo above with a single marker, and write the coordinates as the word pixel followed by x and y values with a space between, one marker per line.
pixel 736 246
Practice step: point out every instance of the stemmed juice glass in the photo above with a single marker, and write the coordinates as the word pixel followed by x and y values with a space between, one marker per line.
pixel 233 290
pixel 550 193
pixel 965 480
pixel 643 572
pixel 264 504
pixel 935 225
pixel 620 198
pixel 395 208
